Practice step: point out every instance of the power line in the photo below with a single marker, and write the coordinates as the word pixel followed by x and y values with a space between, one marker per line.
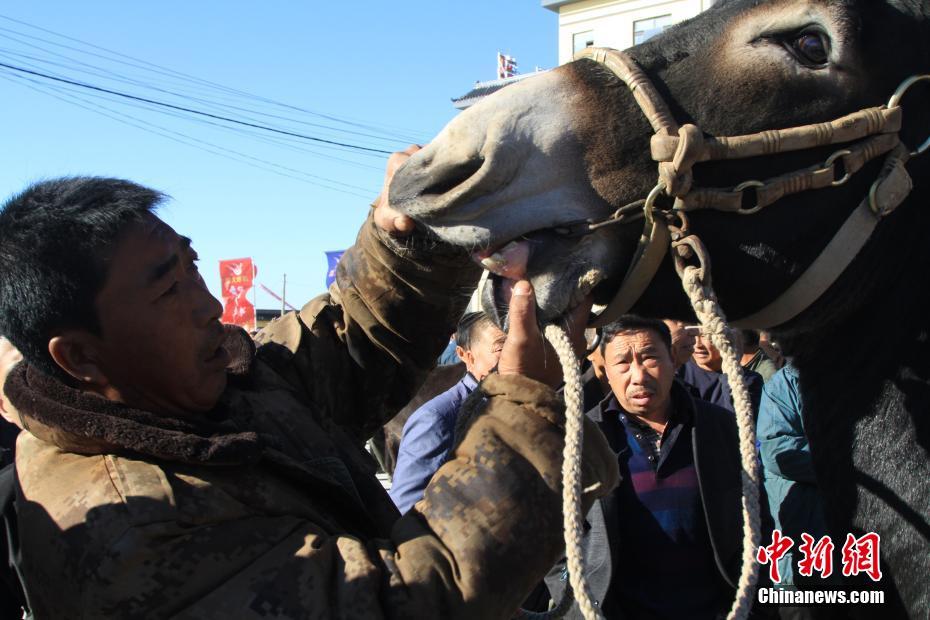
pixel 106 74
pixel 192 142
pixel 173 74
pixel 281 141
pixel 190 110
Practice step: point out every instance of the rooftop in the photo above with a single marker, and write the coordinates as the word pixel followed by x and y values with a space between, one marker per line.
pixel 553 5
pixel 483 89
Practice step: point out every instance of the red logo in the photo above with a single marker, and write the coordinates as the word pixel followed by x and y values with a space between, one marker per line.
pixel 817 557
pixel 772 553
pixel 860 555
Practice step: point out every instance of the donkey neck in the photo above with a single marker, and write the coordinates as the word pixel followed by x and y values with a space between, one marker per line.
pixel 865 386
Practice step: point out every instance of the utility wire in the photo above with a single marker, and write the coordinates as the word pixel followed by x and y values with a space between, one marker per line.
pixel 189 110
pixel 193 142
pixel 107 74
pixel 282 141
pixel 173 74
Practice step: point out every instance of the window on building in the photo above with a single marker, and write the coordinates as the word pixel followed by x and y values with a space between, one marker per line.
pixel 645 29
pixel 581 40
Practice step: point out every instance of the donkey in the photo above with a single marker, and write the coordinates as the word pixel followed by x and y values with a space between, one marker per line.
pixel 572 145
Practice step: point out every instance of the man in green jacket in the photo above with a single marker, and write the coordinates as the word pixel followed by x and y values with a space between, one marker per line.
pixel 171 468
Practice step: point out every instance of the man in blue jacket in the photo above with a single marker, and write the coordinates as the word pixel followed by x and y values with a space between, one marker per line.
pixel 790 482
pixel 430 431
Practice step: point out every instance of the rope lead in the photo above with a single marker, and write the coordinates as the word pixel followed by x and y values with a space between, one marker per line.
pixel 573 520
pixel 714 323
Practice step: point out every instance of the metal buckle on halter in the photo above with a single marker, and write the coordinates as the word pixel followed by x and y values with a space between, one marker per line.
pixel 832 160
pixel 895 101
pixel 650 203
pixel 742 187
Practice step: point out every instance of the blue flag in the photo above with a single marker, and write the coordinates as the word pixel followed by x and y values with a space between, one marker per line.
pixel 332 259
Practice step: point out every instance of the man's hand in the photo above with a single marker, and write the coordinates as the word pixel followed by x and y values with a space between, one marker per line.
pixel 389 220
pixel 526 352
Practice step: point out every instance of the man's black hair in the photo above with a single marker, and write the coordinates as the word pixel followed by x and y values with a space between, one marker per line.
pixel 56 241
pixel 467 328
pixel 634 323
pixel 750 338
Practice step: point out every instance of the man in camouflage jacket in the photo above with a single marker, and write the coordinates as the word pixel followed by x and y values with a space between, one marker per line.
pixel 263 503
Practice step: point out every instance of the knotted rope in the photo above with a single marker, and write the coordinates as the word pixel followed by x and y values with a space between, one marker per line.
pixel 572 518
pixel 696 282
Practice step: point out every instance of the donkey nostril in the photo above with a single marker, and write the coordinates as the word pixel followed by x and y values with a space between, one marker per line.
pixel 454 177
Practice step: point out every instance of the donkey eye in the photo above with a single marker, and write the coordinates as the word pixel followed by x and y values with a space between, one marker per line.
pixel 811 48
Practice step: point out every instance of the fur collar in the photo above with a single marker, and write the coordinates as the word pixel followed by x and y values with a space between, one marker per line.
pixel 88 424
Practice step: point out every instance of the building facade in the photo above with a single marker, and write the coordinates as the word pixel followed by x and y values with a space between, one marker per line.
pixel 616 23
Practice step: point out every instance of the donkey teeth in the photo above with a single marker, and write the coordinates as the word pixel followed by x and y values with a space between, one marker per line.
pixel 509 261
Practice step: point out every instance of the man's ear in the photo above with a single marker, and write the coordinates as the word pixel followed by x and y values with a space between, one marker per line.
pixel 78 354
pixel 462 353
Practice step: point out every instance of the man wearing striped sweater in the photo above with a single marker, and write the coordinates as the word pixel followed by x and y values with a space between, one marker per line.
pixel 666 542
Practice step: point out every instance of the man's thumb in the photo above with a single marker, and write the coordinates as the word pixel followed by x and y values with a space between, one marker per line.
pixel 522 312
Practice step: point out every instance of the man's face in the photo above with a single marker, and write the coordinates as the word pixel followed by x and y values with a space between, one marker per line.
pixel 706 355
pixel 640 371
pixel 160 339
pixel 682 342
pixel 600 367
pixel 484 351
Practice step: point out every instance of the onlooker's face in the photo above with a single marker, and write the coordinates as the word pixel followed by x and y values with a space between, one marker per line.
pixel 159 346
pixel 484 351
pixel 682 342
pixel 771 349
pixel 640 372
pixel 600 368
pixel 706 355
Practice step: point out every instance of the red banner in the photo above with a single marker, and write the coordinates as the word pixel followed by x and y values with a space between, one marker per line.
pixel 236 277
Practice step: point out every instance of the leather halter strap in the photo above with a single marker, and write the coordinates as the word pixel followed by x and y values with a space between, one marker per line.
pixel 873 132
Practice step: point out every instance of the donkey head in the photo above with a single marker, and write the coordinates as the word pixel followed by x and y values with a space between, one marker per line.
pixel 571 144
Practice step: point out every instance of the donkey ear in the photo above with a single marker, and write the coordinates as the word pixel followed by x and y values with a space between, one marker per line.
pixel 78 353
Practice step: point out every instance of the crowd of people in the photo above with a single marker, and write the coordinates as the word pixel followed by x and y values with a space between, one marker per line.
pixel 160 465
pixel 657 391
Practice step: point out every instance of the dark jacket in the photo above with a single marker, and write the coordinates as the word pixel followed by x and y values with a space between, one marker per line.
pixel 714 387
pixel 715 446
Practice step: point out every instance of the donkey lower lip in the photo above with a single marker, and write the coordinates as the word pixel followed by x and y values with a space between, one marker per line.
pixel 495 293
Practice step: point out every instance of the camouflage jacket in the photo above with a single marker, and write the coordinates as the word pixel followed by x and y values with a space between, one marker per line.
pixel 267 507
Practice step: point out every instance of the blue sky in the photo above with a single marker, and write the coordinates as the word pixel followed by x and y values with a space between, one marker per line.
pixel 389 67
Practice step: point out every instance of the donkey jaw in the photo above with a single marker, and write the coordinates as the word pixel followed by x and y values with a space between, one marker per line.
pixel 494 296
